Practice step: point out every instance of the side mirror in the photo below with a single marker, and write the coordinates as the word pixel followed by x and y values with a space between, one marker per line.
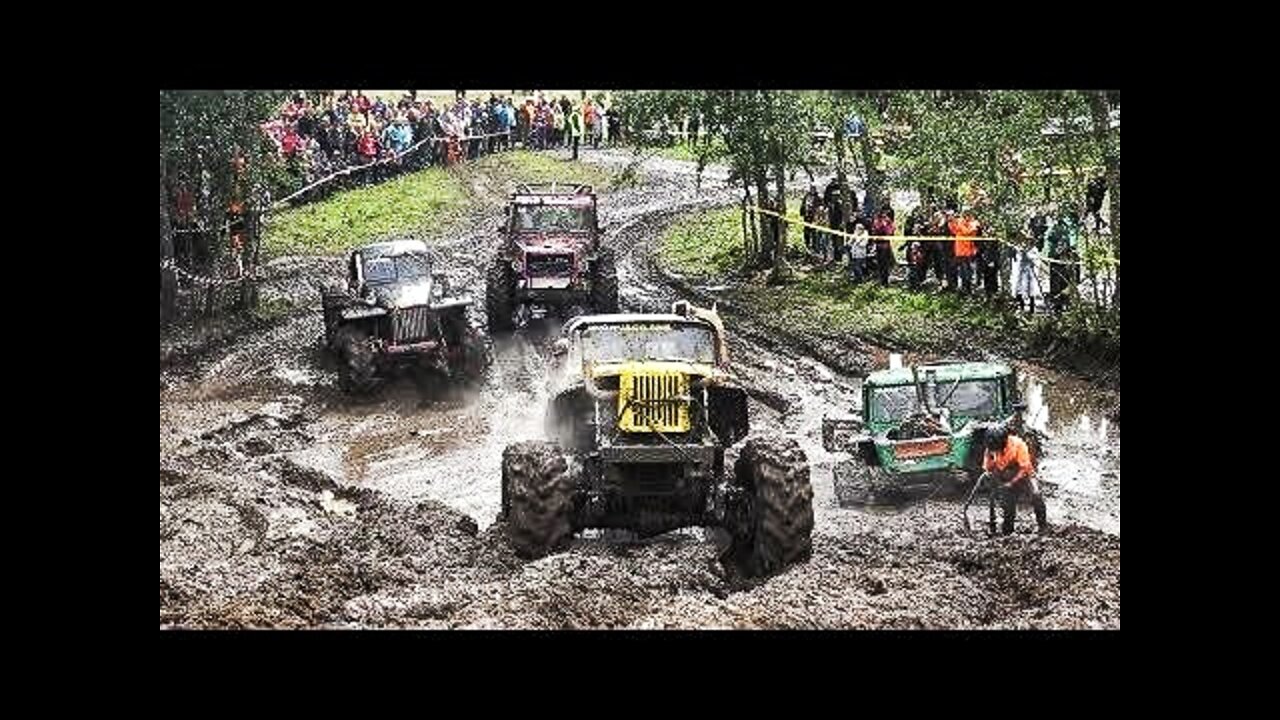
pixel 560 348
pixel 1019 407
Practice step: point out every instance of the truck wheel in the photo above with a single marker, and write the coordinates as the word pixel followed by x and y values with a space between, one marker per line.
pixel 537 497
pixel 474 352
pixel 500 286
pixel 332 300
pixel 858 485
pixel 775 474
pixel 356 369
pixel 604 282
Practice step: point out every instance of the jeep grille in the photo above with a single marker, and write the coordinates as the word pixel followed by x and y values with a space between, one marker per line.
pixel 549 265
pixel 652 401
pixel 413 324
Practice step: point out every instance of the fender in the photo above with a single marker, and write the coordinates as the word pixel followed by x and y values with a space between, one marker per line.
pixel 360 312
pixel 459 301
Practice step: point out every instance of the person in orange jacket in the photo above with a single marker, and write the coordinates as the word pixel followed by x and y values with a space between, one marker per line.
pixel 1010 473
pixel 963 227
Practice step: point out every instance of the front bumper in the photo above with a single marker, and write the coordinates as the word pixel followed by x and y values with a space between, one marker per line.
pixel 418 348
pixel 553 296
pixel 646 454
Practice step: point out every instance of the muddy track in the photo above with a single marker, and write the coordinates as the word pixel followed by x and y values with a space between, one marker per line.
pixel 284 503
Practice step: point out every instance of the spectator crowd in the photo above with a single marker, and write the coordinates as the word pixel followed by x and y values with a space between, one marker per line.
pixel 961 262
pixel 326 133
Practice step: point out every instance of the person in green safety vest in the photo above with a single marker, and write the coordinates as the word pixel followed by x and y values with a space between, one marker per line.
pixel 575 129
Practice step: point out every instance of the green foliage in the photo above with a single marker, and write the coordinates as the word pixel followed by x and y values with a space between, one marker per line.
pixel 202 131
pixel 709 244
pixel 823 303
pixel 417 204
pixel 412 204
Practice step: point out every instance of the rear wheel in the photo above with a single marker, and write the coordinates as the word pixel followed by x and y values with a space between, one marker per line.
pixel 471 354
pixel 779 521
pixel 604 282
pixel 537 497
pixel 500 286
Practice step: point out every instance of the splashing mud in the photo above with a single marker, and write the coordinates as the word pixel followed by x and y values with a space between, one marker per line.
pixel 284 503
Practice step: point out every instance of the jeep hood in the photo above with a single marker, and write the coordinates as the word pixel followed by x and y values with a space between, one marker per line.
pixel 411 293
pixel 551 242
pixel 613 369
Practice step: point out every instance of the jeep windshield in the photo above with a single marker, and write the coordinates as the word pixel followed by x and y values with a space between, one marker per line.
pixel 968 398
pixel 648 341
pixel 552 218
pixel 393 268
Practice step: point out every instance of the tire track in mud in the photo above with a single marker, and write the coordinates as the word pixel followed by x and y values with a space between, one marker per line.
pixel 284 503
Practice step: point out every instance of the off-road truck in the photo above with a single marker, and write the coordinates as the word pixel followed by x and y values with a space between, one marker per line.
pixel 394 311
pixel 551 260
pixel 921 426
pixel 643 409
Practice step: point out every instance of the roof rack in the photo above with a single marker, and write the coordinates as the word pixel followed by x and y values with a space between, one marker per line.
pixel 552 188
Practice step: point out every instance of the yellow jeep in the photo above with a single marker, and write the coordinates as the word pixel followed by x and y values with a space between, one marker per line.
pixel 643 410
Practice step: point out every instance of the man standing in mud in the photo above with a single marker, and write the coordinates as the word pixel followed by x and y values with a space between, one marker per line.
pixel 1009 474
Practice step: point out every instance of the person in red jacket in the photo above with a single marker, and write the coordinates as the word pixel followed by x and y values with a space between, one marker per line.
pixel 1007 464
pixel 882 227
pixel 367 147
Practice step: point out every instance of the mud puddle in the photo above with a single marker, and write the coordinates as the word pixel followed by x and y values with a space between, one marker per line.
pixel 286 504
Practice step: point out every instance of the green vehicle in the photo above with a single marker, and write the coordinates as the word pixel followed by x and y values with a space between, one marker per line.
pixel 922 427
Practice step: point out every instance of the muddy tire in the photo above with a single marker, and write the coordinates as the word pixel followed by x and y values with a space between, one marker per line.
pixel 356 367
pixel 604 282
pixel 475 352
pixel 333 299
pixel 858 484
pixel 779 521
pixel 500 287
pixel 537 498
pixel 477 357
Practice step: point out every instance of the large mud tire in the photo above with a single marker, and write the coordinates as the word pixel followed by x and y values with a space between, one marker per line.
pixel 537 498
pixel 475 351
pixel 779 522
pixel 500 293
pixel 357 369
pixel 604 282
pixel 333 299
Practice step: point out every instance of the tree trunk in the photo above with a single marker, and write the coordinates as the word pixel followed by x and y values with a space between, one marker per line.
pixel 842 177
pixel 872 198
pixel 1100 109
pixel 766 222
pixel 780 237
pixel 248 284
pixel 168 278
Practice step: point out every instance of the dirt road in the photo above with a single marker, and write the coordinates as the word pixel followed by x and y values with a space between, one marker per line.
pixel 284 503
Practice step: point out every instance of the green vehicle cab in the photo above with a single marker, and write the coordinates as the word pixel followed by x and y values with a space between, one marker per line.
pixel 921 425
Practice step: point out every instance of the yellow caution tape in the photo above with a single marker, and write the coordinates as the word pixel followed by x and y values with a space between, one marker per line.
pixel 933 238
